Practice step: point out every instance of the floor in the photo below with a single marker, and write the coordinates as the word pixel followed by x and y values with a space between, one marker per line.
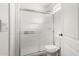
pixel 43 53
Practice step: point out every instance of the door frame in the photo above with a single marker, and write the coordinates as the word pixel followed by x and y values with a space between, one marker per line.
pixel 61 40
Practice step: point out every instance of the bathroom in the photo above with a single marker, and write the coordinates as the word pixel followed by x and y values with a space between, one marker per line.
pixel 39 29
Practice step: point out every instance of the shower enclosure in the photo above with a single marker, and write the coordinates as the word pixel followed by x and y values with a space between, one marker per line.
pixel 35 30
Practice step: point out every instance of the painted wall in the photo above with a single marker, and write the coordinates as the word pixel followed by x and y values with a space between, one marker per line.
pixel 4 29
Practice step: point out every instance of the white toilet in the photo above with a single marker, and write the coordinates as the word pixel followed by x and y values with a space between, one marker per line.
pixel 51 49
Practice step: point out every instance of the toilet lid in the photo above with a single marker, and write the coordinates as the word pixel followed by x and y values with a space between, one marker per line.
pixel 51 48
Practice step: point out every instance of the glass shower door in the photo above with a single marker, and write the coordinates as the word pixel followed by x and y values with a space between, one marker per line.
pixel 36 31
pixel 29 29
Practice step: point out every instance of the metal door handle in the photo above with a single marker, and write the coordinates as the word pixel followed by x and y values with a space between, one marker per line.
pixel 61 34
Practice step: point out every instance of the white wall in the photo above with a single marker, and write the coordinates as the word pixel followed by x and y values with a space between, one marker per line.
pixel 4 33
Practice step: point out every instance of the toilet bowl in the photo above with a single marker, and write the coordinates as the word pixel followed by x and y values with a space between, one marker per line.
pixel 51 49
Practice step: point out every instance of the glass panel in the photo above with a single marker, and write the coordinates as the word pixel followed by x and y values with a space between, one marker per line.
pixel 36 31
